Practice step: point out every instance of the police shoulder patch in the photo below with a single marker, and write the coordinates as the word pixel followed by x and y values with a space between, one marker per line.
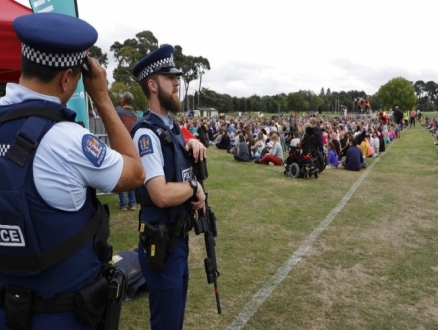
pixel 94 149
pixel 145 145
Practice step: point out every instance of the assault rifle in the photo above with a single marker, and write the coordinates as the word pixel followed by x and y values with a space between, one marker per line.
pixel 206 223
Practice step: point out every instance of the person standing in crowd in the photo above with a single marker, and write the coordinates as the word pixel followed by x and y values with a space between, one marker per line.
pixel 128 117
pixel 170 191
pixel 50 171
pixel 412 116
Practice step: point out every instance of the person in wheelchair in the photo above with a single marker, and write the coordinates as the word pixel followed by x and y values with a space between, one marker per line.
pixel 303 160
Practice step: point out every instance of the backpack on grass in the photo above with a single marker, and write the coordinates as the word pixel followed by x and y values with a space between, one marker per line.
pixel 128 260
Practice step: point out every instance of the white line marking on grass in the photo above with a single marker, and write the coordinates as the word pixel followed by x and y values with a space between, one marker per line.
pixel 249 310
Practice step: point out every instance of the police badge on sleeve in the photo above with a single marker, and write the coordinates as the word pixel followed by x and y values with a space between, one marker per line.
pixel 94 149
pixel 145 145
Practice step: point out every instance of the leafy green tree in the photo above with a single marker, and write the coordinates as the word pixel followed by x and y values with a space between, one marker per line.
pixel 431 89
pixel 375 101
pixel 429 106
pixel 236 104
pixel 295 102
pixel 322 92
pixel 243 107
pixel 397 92
pixel 117 89
pixel 419 88
pixel 201 64
pixel 190 73
pixel 129 53
pixel 96 53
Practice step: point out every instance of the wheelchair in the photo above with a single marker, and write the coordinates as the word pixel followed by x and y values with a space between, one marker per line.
pixel 305 161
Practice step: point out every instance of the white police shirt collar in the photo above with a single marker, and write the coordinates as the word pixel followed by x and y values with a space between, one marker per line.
pixel 167 120
pixel 16 93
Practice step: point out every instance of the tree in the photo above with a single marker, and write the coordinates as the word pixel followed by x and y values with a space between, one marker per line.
pixel 328 91
pixel 295 102
pixel 397 92
pixel 96 53
pixel 119 88
pixel 428 107
pixel 202 64
pixel 375 101
pixel 322 93
pixel 431 89
pixel 419 88
pixel 129 53
pixel 190 73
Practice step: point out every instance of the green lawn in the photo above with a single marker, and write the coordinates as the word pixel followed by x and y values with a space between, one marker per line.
pixel 373 266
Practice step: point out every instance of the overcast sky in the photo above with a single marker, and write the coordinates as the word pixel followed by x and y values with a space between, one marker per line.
pixel 282 46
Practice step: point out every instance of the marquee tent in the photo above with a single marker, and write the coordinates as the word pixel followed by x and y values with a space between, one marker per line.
pixel 10 46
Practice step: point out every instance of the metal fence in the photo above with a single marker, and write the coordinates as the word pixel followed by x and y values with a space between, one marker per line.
pixel 96 127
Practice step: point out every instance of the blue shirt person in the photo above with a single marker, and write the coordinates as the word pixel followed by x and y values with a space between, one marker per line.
pixel 170 191
pixel 50 168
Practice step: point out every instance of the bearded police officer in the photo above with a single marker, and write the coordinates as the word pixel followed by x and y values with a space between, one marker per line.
pixel 53 230
pixel 170 192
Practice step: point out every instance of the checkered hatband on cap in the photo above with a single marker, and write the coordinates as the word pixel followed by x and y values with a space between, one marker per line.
pixel 151 68
pixel 53 60
pixel 4 149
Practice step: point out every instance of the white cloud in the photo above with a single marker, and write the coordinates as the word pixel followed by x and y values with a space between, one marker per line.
pixel 282 46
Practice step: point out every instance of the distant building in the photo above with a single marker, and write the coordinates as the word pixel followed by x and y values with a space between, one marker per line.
pixel 206 112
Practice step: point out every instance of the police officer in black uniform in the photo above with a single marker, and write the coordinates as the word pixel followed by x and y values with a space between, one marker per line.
pixel 53 230
pixel 170 192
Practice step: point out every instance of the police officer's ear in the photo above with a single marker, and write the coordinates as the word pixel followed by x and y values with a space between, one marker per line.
pixel 66 82
pixel 152 85
pixel 68 77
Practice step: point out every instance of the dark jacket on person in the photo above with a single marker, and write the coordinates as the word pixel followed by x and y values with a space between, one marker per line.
pixel 203 135
pixel 243 154
pixel 224 142
pixel 354 159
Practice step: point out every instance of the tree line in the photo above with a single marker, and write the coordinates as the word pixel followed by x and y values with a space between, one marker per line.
pixel 397 92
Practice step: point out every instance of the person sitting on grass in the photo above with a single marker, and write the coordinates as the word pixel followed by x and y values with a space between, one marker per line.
pixel 354 160
pixel 258 146
pixel 275 155
pixel 375 144
pixel 222 141
pixel 242 154
pixel 332 157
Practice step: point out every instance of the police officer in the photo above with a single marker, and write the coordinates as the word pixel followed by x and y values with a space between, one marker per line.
pixel 53 230
pixel 170 192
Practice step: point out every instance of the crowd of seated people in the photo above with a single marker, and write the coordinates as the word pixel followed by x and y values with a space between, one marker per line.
pixel 267 139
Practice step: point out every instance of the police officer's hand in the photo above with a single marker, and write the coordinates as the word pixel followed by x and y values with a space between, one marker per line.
pixel 200 199
pixel 197 148
pixel 95 81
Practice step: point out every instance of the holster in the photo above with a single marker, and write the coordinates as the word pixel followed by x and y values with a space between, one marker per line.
pixel 18 308
pixel 154 240
pixel 116 278
pixel 91 301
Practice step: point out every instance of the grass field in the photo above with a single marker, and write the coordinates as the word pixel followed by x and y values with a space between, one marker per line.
pixel 350 250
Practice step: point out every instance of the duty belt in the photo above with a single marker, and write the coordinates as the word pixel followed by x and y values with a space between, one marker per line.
pixel 52 304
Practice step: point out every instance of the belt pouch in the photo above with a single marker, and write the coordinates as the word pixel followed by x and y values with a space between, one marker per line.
pixel 18 308
pixel 91 301
pixel 157 248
